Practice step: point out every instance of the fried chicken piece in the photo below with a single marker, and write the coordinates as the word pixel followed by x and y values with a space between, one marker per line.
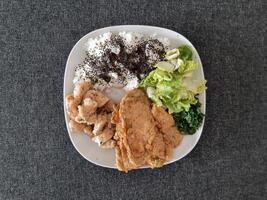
pixel 100 122
pixel 135 130
pixel 97 96
pixel 135 113
pixel 89 131
pixel 163 118
pixel 115 118
pixel 80 89
pixel 85 110
pixel 72 106
pixel 103 136
pixel 91 120
pixel 145 134
pixel 166 124
pixel 76 127
pixel 158 147
pixel 79 119
pixel 90 112
pixel 122 161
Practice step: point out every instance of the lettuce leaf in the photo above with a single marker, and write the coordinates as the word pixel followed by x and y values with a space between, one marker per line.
pixel 166 85
pixel 187 67
pixel 185 53
pixel 196 86
pixel 167 89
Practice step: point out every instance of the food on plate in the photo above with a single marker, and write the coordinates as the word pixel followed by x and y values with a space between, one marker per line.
pixel 170 86
pixel 145 134
pixel 152 84
pixel 119 59
pixel 189 121
pixel 90 112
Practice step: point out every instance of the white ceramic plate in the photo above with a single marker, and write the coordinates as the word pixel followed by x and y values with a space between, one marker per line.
pixel 106 157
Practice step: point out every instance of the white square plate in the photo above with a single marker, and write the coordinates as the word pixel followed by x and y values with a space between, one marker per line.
pixel 83 144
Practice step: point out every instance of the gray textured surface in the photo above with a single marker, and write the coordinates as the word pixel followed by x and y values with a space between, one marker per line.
pixel 37 159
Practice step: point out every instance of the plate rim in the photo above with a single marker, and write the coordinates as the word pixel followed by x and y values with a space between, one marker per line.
pixel 123 26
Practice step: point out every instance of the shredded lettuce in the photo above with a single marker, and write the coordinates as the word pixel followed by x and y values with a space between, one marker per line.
pixel 196 86
pixel 167 89
pixel 166 66
pixel 166 86
pixel 187 67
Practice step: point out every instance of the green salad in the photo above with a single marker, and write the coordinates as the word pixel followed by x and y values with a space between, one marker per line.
pixel 170 86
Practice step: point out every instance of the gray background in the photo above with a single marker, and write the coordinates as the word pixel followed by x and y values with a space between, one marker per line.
pixel 37 159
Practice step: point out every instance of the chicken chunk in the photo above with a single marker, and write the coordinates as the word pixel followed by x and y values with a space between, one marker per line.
pixel 97 96
pixel 72 106
pixel 85 110
pixel 89 131
pixel 76 127
pixel 90 112
pixel 80 89
pixel 79 119
pixel 104 136
pixel 102 120
pixel 92 119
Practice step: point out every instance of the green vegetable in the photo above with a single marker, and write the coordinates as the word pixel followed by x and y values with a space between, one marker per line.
pixel 185 52
pixel 187 67
pixel 167 89
pixel 189 121
pixel 165 66
pixel 196 86
pixel 169 86
pixel 172 54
